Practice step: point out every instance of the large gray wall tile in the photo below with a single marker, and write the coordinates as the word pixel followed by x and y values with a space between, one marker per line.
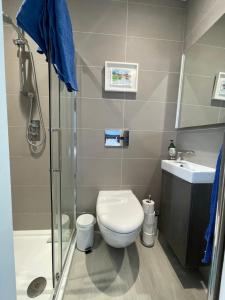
pixel 99 114
pixel 87 197
pixel 32 221
pixel 31 199
pixel 143 172
pixel 161 86
pixel 98 172
pixel 156 21
pixel 95 49
pixel 98 16
pixel 151 116
pixel 18 145
pixel 30 171
pixel 148 144
pixel 154 54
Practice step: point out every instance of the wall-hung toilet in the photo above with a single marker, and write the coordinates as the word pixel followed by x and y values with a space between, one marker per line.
pixel 120 217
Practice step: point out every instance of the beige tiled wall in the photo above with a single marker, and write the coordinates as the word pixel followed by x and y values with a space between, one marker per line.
pixel 201 15
pixel 147 32
pixel 30 173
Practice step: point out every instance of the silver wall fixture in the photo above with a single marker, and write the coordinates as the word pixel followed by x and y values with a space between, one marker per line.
pixel 116 138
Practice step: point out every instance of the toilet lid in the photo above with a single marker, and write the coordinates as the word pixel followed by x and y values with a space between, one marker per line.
pixel 119 211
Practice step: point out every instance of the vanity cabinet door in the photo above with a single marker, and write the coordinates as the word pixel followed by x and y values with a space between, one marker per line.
pixel 165 206
pixel 184 215
pixel 180 216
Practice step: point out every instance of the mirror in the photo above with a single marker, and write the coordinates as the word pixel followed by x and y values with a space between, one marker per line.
pixel 201 99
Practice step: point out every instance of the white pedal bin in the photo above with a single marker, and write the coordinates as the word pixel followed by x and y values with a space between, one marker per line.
pixel 85 232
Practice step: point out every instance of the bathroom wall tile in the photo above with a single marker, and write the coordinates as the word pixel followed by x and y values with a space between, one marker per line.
pixel 197 10
pixel 91 144
pixel 148 144
pixel 98 16
pixel 155 21
pixel 31 199
pixel 91 83
pixel 11 7
pixel 201 16
pixel 200 115
pixel 95 49
pixel 13 79
pixel 152 116
pixel 215 35
pixel 18 110
pixel 154 54
pixel 87 197
pixel 98 172
pixel 18 145
pixel 30 171
pixel 143 192
pixel 161 86
pixel 205 142
pixel 143 177
pixel 11 50
pixel 31 221
pixel 99 114
pixel 141 172
pixel 167 3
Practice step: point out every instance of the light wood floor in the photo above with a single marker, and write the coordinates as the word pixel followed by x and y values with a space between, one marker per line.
pixel 133 273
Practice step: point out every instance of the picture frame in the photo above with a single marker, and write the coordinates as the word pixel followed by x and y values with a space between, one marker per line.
pixel 219 87
pixel 121 77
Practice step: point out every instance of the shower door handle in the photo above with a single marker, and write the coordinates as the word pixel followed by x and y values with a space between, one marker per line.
pixel 58 168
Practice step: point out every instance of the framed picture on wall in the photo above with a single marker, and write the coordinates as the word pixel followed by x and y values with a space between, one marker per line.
pixel 219 87
pixel 121 77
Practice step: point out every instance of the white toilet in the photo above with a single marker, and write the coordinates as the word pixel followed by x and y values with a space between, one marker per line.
pixel 120 217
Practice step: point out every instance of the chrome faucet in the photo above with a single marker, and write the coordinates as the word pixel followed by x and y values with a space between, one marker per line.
pixel 181 154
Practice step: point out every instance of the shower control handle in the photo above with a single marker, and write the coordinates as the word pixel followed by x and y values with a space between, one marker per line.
pixel 59 154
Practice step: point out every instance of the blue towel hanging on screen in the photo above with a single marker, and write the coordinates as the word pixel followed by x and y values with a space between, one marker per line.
pixel 209 234
pixel 48 21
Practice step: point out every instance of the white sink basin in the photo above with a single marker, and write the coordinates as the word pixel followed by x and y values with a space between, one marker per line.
pixel 188 171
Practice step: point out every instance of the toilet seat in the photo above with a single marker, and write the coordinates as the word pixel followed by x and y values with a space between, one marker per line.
pixel 120 216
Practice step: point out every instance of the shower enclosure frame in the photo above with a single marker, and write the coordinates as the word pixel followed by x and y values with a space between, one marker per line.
pixel 55 148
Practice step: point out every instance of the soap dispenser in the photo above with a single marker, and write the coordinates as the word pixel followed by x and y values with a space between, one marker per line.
pixel 172 150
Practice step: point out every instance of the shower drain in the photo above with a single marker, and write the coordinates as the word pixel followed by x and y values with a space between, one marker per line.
pixel 36 287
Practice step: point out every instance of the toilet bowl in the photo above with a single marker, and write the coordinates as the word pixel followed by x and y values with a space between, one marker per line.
pixel 119 216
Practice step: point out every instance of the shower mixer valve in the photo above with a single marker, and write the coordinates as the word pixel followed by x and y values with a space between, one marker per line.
pixel 34 130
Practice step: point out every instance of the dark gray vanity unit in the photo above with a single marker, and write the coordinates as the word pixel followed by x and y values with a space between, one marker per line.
pixel 184 212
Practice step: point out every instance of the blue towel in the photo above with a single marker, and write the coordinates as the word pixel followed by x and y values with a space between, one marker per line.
pixel 48 22
pixel 209 234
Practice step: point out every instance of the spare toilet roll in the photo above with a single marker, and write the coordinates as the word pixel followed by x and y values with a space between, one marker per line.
pixel 149 219
pixel 148 206
pixel 148 239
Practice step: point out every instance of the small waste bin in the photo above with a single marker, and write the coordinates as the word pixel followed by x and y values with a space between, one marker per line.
pixel 85 232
